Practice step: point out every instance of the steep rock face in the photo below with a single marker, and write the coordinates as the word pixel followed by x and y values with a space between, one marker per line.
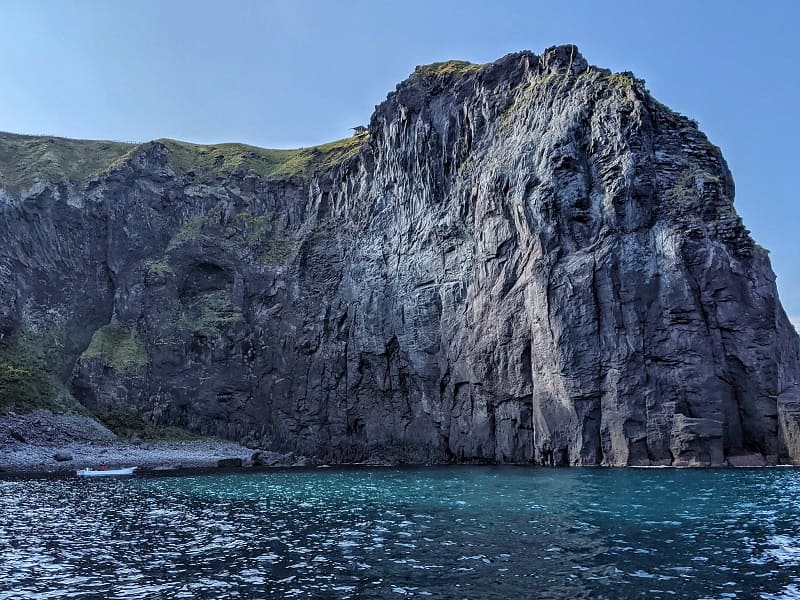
pixel 526 261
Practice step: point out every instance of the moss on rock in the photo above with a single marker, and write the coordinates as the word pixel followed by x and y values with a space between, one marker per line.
pixel 278 251
pixel 190 229
pixel 259 236
pixel 118 347
pixel 29 373
pixel 24 385
pixel 684 190
pixel 160 269
pixel 127 423
pixel 211 311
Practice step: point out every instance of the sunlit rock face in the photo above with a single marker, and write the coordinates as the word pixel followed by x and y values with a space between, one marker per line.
pixel 526 261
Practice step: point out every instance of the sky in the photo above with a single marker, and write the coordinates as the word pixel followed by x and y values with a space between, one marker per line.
pixel 302 72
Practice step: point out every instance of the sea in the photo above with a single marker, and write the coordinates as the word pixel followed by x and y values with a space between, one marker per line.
pixel 428 532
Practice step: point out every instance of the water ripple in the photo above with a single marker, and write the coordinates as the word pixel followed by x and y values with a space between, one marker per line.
pixel 443 533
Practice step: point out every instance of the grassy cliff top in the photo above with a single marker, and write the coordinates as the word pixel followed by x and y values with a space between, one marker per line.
pixel 448 67
pixel 25 159
pixel 262 161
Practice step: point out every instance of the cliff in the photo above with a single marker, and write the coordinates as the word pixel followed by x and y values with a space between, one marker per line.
pixel 525 261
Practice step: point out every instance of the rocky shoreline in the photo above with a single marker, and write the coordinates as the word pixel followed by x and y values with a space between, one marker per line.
pixel 43 442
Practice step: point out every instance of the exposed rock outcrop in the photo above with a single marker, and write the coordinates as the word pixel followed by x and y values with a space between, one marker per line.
pixel 525 261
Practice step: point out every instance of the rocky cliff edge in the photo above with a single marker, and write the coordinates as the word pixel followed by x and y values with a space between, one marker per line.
pixel 528 261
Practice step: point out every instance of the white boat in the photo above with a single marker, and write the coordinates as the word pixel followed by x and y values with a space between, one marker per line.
pixel 107 473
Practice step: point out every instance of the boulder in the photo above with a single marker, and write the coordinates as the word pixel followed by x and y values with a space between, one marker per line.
pixel 62 456
pixel 263 458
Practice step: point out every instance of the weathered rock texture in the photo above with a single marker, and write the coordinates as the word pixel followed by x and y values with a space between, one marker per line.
pixel 526 261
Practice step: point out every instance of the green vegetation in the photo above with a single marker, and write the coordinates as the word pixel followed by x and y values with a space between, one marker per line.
pixel 201 226
pixel 449 67
pixel 687 194
pixel 258 235
pixel 24 385
pixel 251 229
pixel 685 190
pixel 186 157
pixel 28 374
pixel 127 423
pixel 160 269
pixel 118 347
pixel 212 310
pixel 324 156
pixel 24 159
pixel 623 80
pixel 277 251
pixel 191 229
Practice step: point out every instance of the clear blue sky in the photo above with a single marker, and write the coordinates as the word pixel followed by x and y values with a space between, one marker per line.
pixel 299 72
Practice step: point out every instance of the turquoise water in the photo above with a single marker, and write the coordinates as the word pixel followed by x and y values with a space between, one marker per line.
pixel 457 532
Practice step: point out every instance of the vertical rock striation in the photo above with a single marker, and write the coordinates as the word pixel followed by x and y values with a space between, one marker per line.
pixel 526 261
